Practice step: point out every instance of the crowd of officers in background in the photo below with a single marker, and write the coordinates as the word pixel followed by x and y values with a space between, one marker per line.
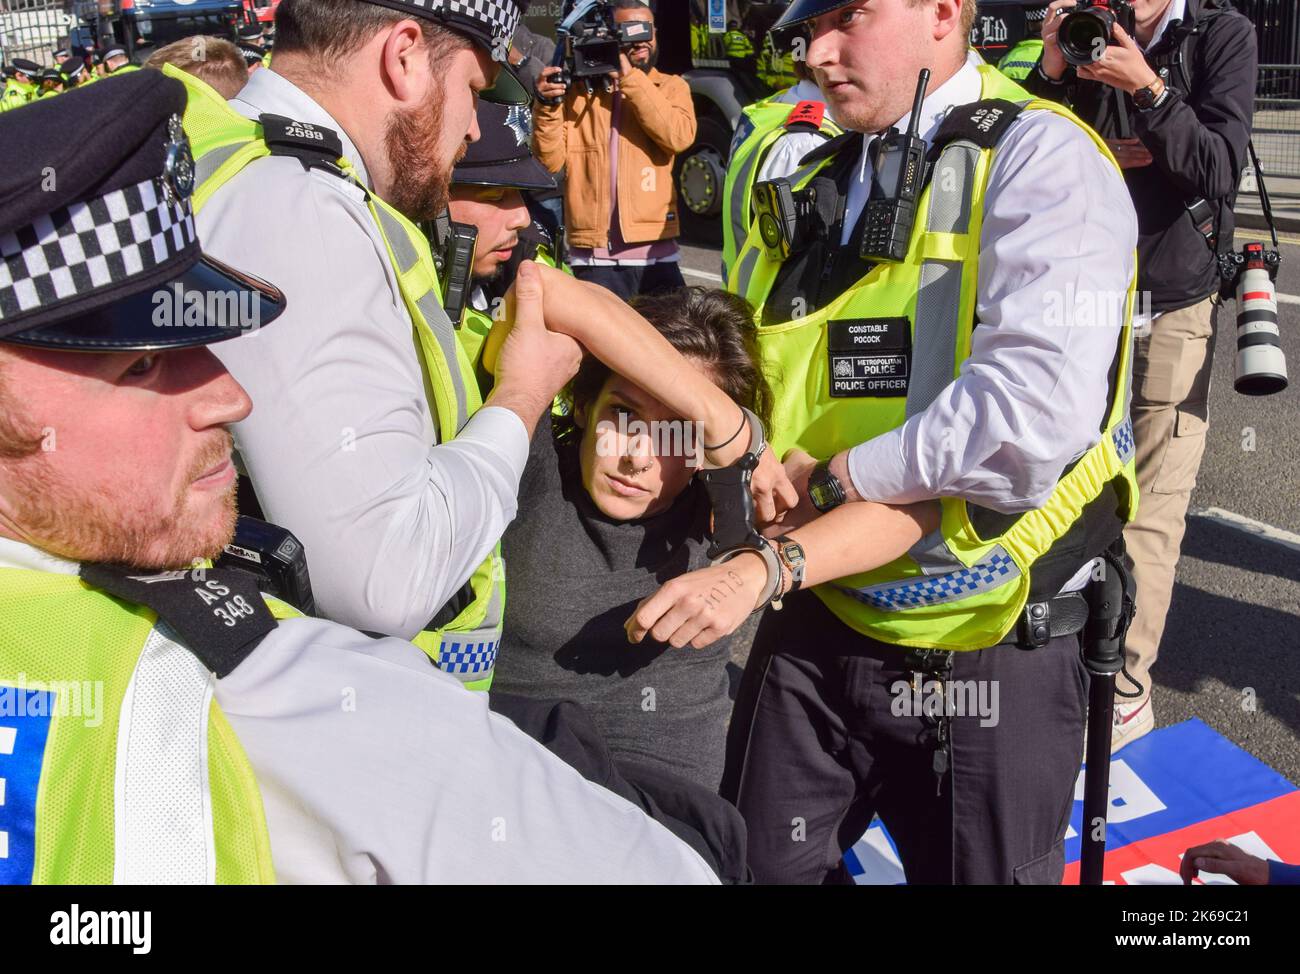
pixel 27 81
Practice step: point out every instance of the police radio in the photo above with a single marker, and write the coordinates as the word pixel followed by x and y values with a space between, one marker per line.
pixel 274 557
pixel 887 225
pixel 453 247
pixel 1261 364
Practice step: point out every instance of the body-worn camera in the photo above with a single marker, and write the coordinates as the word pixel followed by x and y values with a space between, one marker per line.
pixel 273 556
pixel 1086 30
pixel 790 219
pixel 588 42
pixel 453 245
pixel 1249 273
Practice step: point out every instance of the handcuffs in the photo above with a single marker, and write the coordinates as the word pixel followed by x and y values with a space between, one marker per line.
pixel 733 512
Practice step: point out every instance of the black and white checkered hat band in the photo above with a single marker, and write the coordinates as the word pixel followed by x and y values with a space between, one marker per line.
pixel 501 17
pixel 90 246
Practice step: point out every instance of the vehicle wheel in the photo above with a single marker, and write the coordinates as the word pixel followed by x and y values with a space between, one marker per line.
pixel 699 175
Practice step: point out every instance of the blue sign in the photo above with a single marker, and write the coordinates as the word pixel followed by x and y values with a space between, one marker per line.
pixel 717 16
pixel 24 729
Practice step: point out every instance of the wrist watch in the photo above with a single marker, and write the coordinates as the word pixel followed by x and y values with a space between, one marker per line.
pixel 1152 96
pixel 824 488
pixel 791 554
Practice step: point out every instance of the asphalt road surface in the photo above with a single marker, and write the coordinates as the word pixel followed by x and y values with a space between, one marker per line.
pixel 1231 649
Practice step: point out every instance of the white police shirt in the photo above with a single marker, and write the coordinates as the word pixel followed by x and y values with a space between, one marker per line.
pixel 375 767
pixel 341 444
pixel 1057 253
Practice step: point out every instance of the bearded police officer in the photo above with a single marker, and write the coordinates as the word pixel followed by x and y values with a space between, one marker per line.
pixel 317 182
pixel 234 741
pixel 954 372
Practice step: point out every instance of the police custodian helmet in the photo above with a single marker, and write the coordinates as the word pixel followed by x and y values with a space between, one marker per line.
pixel 94 229
pixel 802 10
pixel 488 23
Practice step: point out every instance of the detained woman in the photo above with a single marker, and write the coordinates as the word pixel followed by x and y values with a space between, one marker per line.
pixel 609 510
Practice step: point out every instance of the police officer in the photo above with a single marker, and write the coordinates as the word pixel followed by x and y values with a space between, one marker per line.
pixel 487 193
pixel 1018 62
pixel 117 61
pixel 217 747
pixel 957 426
pixel 21 87
pixel 250 35
pixel 74 73
pixel 401 524
pixel 51 83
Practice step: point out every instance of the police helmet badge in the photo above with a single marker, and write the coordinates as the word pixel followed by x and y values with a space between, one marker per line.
pixel 519 119
pixel 178 169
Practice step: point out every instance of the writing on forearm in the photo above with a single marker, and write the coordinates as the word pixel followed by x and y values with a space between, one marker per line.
pixel 727 587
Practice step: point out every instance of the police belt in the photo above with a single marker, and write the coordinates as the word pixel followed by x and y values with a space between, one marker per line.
pixel 1041 622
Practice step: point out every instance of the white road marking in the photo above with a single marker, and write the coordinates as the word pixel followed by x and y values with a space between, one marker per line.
pixel 1239 522
pixel 1288 299
pixel 717 278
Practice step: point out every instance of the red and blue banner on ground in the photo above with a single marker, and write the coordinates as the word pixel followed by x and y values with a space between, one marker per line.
pixel 1175 788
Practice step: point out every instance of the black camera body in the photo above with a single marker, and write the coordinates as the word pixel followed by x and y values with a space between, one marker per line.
pixel 274 557
pixel 452 245
pixel 789 219
pixel 1085 31
pixel 588 47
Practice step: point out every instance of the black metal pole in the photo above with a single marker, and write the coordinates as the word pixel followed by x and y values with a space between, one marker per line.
pixel 1103 655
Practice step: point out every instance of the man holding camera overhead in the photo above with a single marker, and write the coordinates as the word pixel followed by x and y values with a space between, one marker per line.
pixel 1173 95
pixel 618 135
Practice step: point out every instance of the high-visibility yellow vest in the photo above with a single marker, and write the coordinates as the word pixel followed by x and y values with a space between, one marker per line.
pixel 965 589
pixel 760 128
pixel 118 765
pixel 223 143
pixel 1018 62
pixel 16 94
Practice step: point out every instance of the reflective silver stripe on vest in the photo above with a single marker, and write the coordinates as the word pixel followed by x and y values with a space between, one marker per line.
pixel 406 255
pixel 738 188
pixel 997 568
pixel 206 167
pixel 938 297
pixel 162 818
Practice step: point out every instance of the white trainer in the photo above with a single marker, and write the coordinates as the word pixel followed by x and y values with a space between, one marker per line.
pixel 1133 719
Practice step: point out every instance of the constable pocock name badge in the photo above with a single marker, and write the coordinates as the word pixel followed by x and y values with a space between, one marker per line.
pixel 869 356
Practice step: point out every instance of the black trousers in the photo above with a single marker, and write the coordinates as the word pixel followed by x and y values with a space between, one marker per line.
pixel 827 733
pixel 629 280
pixel 697 816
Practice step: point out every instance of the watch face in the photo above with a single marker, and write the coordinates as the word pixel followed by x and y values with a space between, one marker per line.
pixel 792 551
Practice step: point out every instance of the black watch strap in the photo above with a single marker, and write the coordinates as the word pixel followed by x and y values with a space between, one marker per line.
pixel 792 557
pixel 825 489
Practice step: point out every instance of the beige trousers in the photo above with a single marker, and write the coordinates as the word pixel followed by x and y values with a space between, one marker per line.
pixel 1171 387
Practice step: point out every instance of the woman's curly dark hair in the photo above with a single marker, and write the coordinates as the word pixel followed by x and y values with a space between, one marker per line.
pixel 706 324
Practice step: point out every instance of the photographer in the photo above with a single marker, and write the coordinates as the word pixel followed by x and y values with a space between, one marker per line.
pixel 618 145
pixel 1186 81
